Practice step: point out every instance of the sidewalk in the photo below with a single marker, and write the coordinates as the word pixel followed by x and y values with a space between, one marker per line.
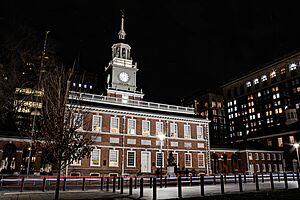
pixel 65 195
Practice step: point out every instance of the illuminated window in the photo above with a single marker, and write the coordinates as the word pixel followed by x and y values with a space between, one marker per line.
pixel 200 132
pixel 255 81
pixel 187 131
pixel 114 125
pixel 262 156
pixel 201 160
pixel 95 157
pixel 248 84
pixel 250 156
pixel 131 126
pixel 96 123
pixel 292 139
pixel 257 168
pixel 146 127
pixel 159 128
pixel 273 74
pixel 258 94
pixel 113 158
pixel 280 143
pixel 292 67
pixel 256 156
pixel 268 156
pixel 188 160
pixel 263 167
pixel 173 130
pixel 264 78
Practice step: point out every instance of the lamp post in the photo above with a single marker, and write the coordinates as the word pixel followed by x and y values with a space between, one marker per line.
pixel 161 138
pixel 296 145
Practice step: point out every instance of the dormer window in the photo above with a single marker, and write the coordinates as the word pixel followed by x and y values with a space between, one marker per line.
pixel 264 78
pixel 248 84
pixel 273 74
pixel 282 71
pixel 255 81
pixel 292 67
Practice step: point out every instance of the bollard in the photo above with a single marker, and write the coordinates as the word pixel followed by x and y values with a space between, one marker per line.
pixel 202 185
pixel 122 185
pixel 101 183
pixel 225 179
pixel 141 187
pixel 262 178
pixel 135 182
pixel 298 179
pixel 240 183
pixel 271 181
pixel 179 187
pixel 278 177
pixel 166 181
pixel 254 177
pixel 222 184
pixel 234 178
pixel 285 181
pixel 154 189
pixel 130 186
pixel 257 183
pixel 150 182
pixel 293 176
pixel 83 183
pixel 245 178
pixel 114 184
pixel 191 180
pixel 214 179
pixel 119 182
pixel 64 184
pixel 44 184
pixel 107 184
pixel 22 185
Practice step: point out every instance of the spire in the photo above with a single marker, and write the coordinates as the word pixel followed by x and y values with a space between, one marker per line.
pixel 122 32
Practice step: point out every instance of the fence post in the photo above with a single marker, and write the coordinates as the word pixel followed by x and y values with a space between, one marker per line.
pixel 154 189
pixel 234 178
pixel 135 182
pixel 107 184
pixel 222 184
pixel 83 183
pixel 257 183
pixel 293 176
pixel 240 183
pixel 272 181
pixel 141 187
pixel 179 187
pixel 150 182
pixel 285 181
pixel 262 178
pixel 130 186
pixel 191 180
pixel 214 179
pixel 278 174
pixel 64 184
pixel 202 184
pixel 101 183
pixel 22 184
pixel 122 185
pixel 114 184
pixel 119 182
pixel 254 177
pixel 225 181
pixel 166 181
pixel 245 178
pixel 298 179
pixel 44 184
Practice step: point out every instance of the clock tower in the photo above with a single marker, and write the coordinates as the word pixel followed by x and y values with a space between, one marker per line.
pixel 121 71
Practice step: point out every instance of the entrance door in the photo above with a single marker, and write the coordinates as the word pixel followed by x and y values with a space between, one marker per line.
pixel 146 162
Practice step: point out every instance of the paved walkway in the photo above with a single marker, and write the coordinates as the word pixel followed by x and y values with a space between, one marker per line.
pixel 162 193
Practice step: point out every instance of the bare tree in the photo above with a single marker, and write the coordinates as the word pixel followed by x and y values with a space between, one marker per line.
pixel 59 121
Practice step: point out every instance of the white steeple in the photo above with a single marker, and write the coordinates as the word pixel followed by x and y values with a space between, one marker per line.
pixel 122 32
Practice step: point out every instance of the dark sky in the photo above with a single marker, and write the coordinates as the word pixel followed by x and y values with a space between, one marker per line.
pixel 180 46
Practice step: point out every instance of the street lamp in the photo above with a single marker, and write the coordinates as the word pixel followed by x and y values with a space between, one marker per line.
pixel 161 138
pixel 296 145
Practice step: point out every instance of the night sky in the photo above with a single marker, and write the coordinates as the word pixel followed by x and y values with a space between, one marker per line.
pixel 181 47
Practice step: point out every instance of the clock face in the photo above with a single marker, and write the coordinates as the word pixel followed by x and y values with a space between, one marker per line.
pixel 124 77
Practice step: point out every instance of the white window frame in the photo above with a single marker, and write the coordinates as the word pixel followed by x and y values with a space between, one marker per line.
pixel 112 128
pixel 201 158
pixel 173 130
pixel 131 128
pixel 187 131
pixel 157 160
pixel 262 155
pixel 134 158
pixel 113 163
pixel 263 166
pixel 186 155
pixel 269 167
pixel 257 167
pixel 256 156
pixel 280 142
pixel 250 156
pixel 200 132
pixel 159 128
pixel 147 124
pixel 97 123
pixel 91 158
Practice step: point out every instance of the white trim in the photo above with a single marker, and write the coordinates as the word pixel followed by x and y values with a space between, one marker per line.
pixel 99 158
